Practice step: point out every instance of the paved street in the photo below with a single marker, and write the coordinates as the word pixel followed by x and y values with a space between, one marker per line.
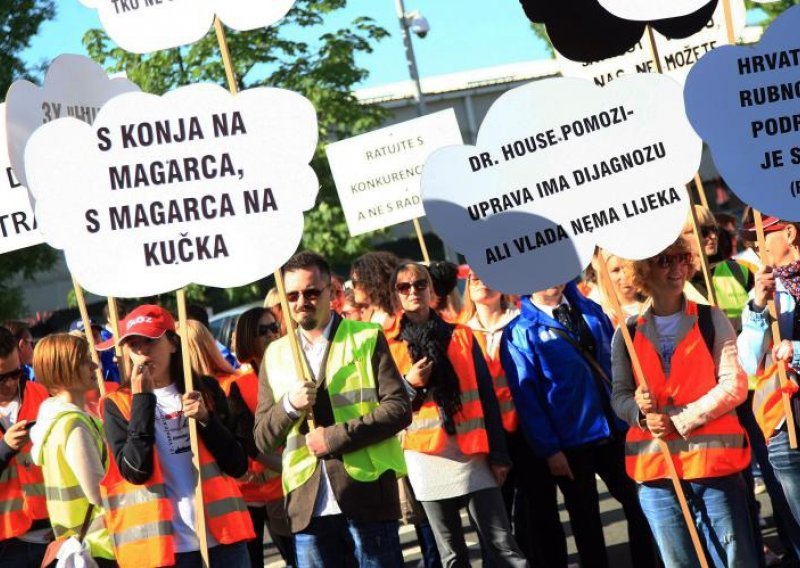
pixel 613 524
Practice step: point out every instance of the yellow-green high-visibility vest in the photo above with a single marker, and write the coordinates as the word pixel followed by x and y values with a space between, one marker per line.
pixel 731 293
pixel 66 502
pixel 353 393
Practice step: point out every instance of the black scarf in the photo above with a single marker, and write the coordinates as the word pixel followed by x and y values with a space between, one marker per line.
pixel 431 339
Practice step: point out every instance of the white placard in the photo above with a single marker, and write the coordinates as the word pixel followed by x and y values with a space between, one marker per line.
pixel 651 10
pixel 560 167
pixel 377 174
pixel 143 26
pixel 75 86
pixel 18 227
pixel 677 55
pixel 195 186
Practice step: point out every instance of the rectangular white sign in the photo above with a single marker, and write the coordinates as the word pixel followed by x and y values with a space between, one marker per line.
pixel 378 174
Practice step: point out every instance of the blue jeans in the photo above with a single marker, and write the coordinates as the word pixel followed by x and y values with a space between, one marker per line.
pixel 719 508
pixel 221 556
pixel 329 541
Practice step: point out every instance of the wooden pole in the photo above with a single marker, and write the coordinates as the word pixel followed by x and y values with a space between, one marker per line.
pixel 701 190
pixel 776 334
pixel 421 238
pixel 87 330
pixel 712 295
pixel 299 362
pixel 640 379
pixel 188 380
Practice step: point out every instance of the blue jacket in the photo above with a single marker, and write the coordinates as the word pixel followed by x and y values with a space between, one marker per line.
pixel 555 392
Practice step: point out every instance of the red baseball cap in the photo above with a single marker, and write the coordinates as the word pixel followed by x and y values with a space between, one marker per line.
pixel 147 321
pixel 771 224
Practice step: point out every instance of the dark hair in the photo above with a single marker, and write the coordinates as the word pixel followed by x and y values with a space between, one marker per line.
pixel 8 343
pixel 247 334
pixel 306 260
pixel 374 271
pixel 444 276
pixel 175 367
pixel 197 312
pixel 402 267
pixel 17 328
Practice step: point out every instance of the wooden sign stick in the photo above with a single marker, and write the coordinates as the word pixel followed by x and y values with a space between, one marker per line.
pixel 303 372
pixel 188 381
pixel 640 379
pixel 776 335
pixel 421 238
pixel 712 294
pixel 87 330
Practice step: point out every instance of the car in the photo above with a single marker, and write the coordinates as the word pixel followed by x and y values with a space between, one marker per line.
pixel 223 324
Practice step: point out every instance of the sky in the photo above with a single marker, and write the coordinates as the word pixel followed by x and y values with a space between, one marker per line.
pixel 464 35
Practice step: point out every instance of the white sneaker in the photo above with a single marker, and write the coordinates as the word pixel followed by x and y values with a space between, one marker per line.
pixel 771 558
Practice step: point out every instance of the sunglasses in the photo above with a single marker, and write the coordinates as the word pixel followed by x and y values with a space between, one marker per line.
pixel 670 260
pixel 312 294
pixel 708 230
pixel 268 329
pixel 405 287
pixel 11 375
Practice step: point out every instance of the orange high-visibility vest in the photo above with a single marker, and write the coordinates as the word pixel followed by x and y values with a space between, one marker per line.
pixel 768 400
pixel 717 448
pixel 139 517
pixel 426 433
pixel 508 411
pixel 22 496
pixel 264 484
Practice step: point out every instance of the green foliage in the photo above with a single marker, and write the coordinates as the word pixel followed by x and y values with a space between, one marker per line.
pixel 19 22
pixel 771 10
pixel 323 70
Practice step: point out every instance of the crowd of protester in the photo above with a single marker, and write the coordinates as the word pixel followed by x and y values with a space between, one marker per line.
pixel 407 400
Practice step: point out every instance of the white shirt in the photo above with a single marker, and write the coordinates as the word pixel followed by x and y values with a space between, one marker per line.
pixel 175 452
pixel 314 351
pixel 667 328
pixel 550 309
pixel 9 414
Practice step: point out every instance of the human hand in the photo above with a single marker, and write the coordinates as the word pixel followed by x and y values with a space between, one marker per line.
pixel 559 466
pixel 500 473
pixel 660 425
pixel 17 436
pixel 420 373
pixel 764 290
pixel 195 407
pixel 304 396
pixel 644 400
pixel 316 442
pixel 141 376
pixel 783 351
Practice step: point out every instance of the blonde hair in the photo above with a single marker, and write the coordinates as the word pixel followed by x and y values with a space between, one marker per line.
pixel 273 298
pixel 204 354
pixel 705 218
pixel 469 310
pixel 604 291
pixel 57 361
pixel 642 269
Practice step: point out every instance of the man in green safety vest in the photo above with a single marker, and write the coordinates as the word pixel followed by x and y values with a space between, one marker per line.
pixel 340 476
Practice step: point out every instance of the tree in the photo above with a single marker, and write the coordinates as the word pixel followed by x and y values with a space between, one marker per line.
pixel 324 71
pixel 772 10
pixel 19 22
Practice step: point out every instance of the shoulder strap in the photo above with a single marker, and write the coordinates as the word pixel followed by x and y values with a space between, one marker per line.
pixel 705 321
pixel 585 353
pixel 738 272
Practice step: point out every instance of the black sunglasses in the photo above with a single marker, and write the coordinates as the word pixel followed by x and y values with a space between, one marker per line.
pixel 668 260
pixel 11 375
pixel 708 230
pixel 405 287
pixel 312 294
pixel 268 329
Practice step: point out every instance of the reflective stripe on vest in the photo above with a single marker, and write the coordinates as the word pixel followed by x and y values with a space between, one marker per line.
pixel 716 449
pixel 261 484
pixel 426 433
pixel 22 498
pixel 768 400
pixel 66 502
pixel 352 389
pixel 508 411
pixel 139 517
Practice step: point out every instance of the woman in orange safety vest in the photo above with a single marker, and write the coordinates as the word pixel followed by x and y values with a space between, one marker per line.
pixel 261 487
pixel 150 486
pixel 693 385
pixel 455 448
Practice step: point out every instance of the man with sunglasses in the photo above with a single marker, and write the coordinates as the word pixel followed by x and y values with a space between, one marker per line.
pixel 339 473
pixel 557 359
pixel 24 524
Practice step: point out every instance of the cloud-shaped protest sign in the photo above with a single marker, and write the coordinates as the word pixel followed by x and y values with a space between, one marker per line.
pixel 583 30
pixel 561 166
pixel 652 10
pixel 18 228
pixel 143 26
pixel 743 101
pixel 195 186
pixel 75 86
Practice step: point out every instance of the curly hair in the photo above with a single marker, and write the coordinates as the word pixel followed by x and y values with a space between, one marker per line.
pixel 374 271
pixel 642 269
